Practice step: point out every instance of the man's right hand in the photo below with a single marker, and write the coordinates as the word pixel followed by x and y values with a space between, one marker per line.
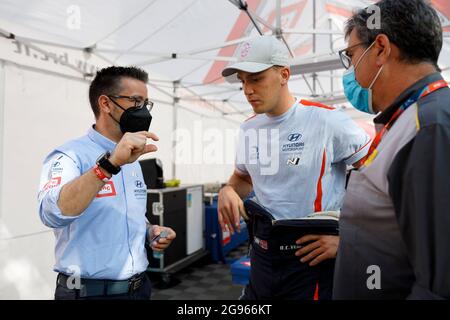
pixel 230 208
pixel 132 146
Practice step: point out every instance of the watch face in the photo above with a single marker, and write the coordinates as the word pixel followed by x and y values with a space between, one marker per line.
pixel 105 164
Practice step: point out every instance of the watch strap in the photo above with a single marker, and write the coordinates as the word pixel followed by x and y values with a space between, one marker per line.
pixel 107 165
pixel 99 173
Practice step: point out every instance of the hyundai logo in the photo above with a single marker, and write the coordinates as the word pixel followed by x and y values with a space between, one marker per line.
pixel 138 184
pixel 294 137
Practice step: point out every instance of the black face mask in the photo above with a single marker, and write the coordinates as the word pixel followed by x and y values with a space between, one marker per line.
pixel 133 119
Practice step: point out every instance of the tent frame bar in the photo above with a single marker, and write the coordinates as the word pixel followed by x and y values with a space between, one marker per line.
pixel 2 126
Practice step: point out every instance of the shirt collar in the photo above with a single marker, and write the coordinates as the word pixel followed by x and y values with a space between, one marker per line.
pixel 100 139
pixel 285 114
pixel 386 115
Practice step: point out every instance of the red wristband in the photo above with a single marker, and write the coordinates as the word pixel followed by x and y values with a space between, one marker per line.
pixel 99 173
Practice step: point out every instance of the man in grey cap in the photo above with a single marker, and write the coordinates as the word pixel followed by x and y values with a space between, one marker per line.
pixel 293 154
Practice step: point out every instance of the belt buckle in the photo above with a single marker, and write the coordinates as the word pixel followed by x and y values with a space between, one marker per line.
pixel 134 284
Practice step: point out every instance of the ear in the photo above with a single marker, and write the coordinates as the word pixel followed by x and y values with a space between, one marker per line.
pixel 383 47
pixel 103 104
pixel 285 75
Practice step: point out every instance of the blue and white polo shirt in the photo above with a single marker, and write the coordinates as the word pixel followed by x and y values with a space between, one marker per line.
pixel 298 161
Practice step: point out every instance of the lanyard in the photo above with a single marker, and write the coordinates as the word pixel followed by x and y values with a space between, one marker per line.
pixel 429 88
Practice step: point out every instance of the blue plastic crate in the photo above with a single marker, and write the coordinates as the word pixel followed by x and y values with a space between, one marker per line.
pixel 240 271
pixel 216 244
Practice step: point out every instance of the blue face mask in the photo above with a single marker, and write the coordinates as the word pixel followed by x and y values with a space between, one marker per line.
pixel 359 97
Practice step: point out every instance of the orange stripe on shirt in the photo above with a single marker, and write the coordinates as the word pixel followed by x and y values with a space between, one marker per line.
pixel 251 117
pixel 315 104
pixel 318 201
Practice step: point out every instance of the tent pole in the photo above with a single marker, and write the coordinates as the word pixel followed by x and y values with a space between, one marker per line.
pixel 330 24
pixel 314 75
pixel 278 31
pixel 278 16
pixel 242 5
pixel 176 99
pixel 2 121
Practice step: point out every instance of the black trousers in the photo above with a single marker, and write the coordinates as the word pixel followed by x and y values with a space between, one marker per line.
pixel 276 273
pixel 284 277
pixel 142 293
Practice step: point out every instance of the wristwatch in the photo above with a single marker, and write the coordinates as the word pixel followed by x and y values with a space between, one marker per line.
pixel 103 162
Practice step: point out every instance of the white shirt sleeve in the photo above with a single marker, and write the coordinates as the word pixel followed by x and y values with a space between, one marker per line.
pixel 350 142
pixel 58 170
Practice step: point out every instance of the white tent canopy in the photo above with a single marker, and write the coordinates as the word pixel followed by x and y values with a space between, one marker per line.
pixel 50 50
pixel 188 42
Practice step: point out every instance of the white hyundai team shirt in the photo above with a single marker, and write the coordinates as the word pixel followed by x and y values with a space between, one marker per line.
pixel 297 161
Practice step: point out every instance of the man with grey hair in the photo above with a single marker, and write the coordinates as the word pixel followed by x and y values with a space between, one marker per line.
pixel 293 154
pixel 395 220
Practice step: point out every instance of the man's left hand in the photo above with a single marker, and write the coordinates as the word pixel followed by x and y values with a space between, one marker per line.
pixel 321 248
pixel 162 243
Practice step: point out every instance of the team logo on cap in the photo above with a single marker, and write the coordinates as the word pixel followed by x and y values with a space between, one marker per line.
pixel 245 49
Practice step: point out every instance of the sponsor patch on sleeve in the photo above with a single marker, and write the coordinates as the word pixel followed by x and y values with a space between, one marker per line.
pixel 54 182
pixel 108 190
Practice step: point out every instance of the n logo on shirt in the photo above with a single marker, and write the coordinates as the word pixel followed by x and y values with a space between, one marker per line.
pixel 293 162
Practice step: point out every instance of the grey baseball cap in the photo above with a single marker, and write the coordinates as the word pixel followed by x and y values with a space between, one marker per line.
pixel 259 54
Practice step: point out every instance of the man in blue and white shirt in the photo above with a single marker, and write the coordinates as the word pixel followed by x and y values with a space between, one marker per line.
pixel 293 154
pixel 92 193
